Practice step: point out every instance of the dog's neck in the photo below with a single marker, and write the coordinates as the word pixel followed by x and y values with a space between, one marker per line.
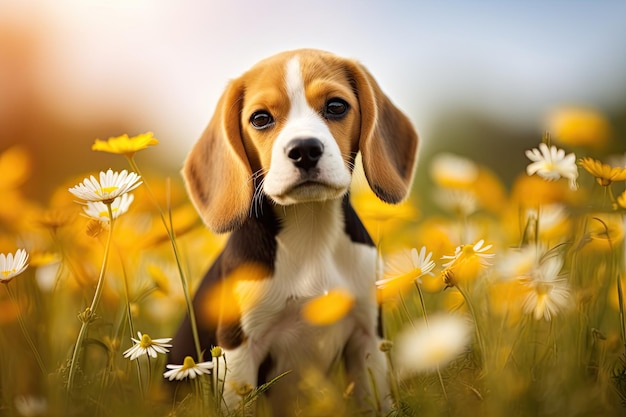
pixel 317 221
pixel 310 226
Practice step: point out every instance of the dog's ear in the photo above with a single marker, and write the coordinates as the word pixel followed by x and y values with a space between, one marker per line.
pixel 388 141
pixel 217 171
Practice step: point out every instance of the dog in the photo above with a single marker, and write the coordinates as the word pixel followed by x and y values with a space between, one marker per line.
pixel 274 168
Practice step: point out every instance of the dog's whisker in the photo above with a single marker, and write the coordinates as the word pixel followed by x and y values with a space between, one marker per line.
pixel 256 207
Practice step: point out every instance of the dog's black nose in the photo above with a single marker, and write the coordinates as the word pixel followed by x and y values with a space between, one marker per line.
pixel 305 152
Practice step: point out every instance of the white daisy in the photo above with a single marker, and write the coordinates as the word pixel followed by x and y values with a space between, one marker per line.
pixel 427 347
pixel 548 292
pixel 457 201
pixel 470 252
pixel 147 346
pixel 99 211
pixel 189 369
pixel 552 164
pixel 12 265
pixel 111 185
pixel 450 170
pixel 408 268
pixel 518 263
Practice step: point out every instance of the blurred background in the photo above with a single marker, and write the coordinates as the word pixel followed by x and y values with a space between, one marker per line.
pixel 479 79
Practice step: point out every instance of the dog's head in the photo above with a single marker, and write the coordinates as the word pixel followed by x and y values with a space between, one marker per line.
pixel 290 128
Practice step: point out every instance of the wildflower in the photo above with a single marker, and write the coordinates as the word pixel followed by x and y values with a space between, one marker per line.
pixel 189 369
pixel 449 170
pixel 551 164
pixel 111 185
pixel 217 352
pixel 516 263
pixel 605 174
pixel 471 251
pixel 466 263
pixel 548 293
pixel 147 346
pixel 427 347
pixel 579 127
pixel 99 211
pixel 406 269
pixel 328 308
pixel 458 201
pixel 125 145
pixel 12 265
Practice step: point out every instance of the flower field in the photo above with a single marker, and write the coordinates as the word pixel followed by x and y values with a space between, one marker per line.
pixel 504 301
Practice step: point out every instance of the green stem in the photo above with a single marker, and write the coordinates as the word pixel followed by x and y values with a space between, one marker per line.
pixel 620 299
pixel 183 280
pixel 470 306
pixel 20 319
pixel 131 327
pixel 422 303
pixel 88 315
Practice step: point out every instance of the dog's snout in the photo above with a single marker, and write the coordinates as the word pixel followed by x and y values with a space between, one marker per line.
pixel 305 152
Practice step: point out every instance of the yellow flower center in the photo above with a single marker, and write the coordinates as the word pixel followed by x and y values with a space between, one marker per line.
pixel 105 213
pixel 6 273
pixel 188 363
pixel 107 190
pixel 145 342
pixel 468 250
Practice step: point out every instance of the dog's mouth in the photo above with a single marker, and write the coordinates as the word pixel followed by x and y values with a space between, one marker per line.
pixel 309 190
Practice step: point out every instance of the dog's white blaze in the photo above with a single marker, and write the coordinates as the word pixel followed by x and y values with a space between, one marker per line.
pixel 304 122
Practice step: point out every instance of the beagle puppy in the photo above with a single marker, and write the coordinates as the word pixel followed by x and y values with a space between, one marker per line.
pixel 274 168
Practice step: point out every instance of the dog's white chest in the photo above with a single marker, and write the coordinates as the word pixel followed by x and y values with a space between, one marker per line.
pixel 314 256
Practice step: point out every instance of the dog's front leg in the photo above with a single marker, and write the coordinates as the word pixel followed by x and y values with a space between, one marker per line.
pixel 238 372
pixel 367 368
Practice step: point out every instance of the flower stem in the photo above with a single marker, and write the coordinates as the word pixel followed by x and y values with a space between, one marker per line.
pixel 20 319
pixel 170 232
pixel 88 315
pixel 422 303
pixel 129 314
pixel 470 306
pixel 620 298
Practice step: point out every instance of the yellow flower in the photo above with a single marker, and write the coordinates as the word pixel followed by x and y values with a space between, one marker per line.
pixel 605 174
pixel 579 127
pixel 15 167
pixel 403 269
pixel 328 308
pixel 466 263
pixel 125 145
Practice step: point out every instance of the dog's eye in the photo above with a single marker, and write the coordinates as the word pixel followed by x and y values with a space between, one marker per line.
pixel 261 120
pixel 335 108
